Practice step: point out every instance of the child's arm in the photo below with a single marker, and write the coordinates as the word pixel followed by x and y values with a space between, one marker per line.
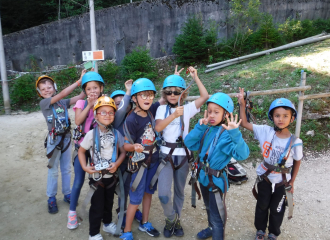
pixel 81 96
pixel 233 144
pixel 128 147
pixel 295 170
pixel 245 123
pixel 81 114
pixel 82 160
pixel 121 111
pixel 114 166
pixel 194 137
pixel 67 90
pixel 202 90
pixel 162 123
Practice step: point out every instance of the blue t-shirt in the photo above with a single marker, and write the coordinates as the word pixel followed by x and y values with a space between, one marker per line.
pixel 141 131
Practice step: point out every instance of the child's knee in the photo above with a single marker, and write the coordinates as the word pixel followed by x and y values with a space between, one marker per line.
pixel 163 199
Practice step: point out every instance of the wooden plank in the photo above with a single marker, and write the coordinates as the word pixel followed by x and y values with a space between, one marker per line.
pixel 313 96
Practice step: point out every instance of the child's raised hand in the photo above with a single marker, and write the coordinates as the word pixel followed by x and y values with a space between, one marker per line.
pixel 193 72
pixel 92 97
pixel 138 147
pixel 204 120
pixel 176 72
pixel 128 85
pixel 178 111
pixel 240 96
pixel 232 123
pixel 92 69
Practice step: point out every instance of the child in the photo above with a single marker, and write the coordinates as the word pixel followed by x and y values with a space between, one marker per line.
pixel 102 142
pixel 216 144
pixel 140 137
pixel 173 151
pixel 274 173
pixel 92 85
pixel 123 101
pixel 54 108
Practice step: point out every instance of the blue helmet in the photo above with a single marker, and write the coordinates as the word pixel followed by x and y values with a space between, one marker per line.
pixel 281 102
pixel 91 76
pixel 142 84
pixel 117 93
pixel 174 81
pixel 223 100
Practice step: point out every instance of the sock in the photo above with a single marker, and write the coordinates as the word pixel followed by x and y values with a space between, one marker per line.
pixel 72 212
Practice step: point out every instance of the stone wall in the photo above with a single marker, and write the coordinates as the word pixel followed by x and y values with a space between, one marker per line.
pixel 153 23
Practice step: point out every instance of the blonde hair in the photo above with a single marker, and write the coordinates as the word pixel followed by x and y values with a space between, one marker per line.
pixel 184 96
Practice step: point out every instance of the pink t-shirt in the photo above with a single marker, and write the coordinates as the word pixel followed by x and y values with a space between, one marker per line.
pixel 80 104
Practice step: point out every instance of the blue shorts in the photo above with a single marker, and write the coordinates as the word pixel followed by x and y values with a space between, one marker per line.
pixel 137 196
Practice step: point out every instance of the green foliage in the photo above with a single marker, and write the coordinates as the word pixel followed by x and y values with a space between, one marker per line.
pixel 138 64
pixel 190 45
pixel 23 89
pixel 290 29
pixel 297 72
pixel 109 71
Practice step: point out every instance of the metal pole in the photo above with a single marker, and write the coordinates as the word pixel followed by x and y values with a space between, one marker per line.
pixel 93 31
pixel 59 10
pixel 300 104
pixel 3 70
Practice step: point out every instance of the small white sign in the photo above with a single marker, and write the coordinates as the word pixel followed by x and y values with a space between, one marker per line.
pixel 93 55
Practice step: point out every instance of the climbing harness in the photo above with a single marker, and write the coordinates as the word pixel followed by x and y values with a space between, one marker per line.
pixel 79 131
pixel 60 127
pixel 279 167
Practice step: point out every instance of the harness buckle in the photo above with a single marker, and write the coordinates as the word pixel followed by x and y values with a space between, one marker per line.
pixel 214 190
pixel 144 165
pixel 288 188
pixel 93 186
pixel 179 142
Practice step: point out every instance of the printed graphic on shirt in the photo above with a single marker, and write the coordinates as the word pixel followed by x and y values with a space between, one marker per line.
pixel 107 141
pixel 148 137
pixel 273 154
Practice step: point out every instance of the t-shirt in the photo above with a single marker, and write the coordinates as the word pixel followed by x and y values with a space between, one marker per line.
pixel 59 107
pixel 272 147
pixel 173 130
pixel 90 117
pixel 107 140
pixel 141 131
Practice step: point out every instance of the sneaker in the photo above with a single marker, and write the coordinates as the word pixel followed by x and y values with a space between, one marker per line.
pixel 205 233
pixel 271 236
pixel 169 227
pixel 67 198
pixel 149 229
pixel 96 237
pixel 127 236
pixel 138 216
pixel 72 220
pixel 260 235
pixel 52 206
pixel 110 228
pixel 178 230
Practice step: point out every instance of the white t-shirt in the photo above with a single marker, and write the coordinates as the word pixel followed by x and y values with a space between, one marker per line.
pixel 272 147
pixel 173 130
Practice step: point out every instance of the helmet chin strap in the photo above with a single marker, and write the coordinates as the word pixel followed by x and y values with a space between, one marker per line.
pixel 277 129
pixel 223 119
pixel 106 127
pixel 172 105
pixel 141 109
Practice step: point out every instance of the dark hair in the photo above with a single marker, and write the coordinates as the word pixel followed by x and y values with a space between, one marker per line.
pixel 99 83
pixel 286 108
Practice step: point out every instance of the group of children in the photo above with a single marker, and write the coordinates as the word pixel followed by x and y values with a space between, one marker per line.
pixel 131 139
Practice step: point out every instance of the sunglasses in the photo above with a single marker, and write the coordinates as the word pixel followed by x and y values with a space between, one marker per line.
pixel 145 96
pixel 168 93
pixel 104 113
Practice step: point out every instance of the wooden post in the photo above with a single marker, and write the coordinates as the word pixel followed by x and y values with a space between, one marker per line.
pixel 300 104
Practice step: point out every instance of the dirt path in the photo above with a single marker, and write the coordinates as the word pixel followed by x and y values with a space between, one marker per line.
pixel 23 207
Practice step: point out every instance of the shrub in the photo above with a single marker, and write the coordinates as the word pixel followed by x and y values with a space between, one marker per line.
pixel 190 45
pixel 138 64
pixel 290 30
pixel 109 72
pixel 23 89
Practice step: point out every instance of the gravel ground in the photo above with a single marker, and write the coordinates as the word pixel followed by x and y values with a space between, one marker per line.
pixel 23 202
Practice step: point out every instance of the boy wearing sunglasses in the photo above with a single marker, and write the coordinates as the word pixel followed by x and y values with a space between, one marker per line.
pixel 140 138
pixel 173 121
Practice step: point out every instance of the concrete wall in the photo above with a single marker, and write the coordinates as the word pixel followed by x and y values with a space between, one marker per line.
pixel 153 24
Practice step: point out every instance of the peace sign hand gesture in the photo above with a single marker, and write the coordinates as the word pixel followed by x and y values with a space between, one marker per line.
pixel 204 120
pixel 232 124
pixel 176 72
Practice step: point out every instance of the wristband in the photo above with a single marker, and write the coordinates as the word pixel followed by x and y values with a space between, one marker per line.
pixel 78 83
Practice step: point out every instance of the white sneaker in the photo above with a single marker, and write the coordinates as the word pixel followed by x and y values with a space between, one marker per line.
pixel 111 228
pixel 96 237
pixel 72 221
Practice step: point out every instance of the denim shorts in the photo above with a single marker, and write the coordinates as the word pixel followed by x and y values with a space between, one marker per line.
pixel 137 196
